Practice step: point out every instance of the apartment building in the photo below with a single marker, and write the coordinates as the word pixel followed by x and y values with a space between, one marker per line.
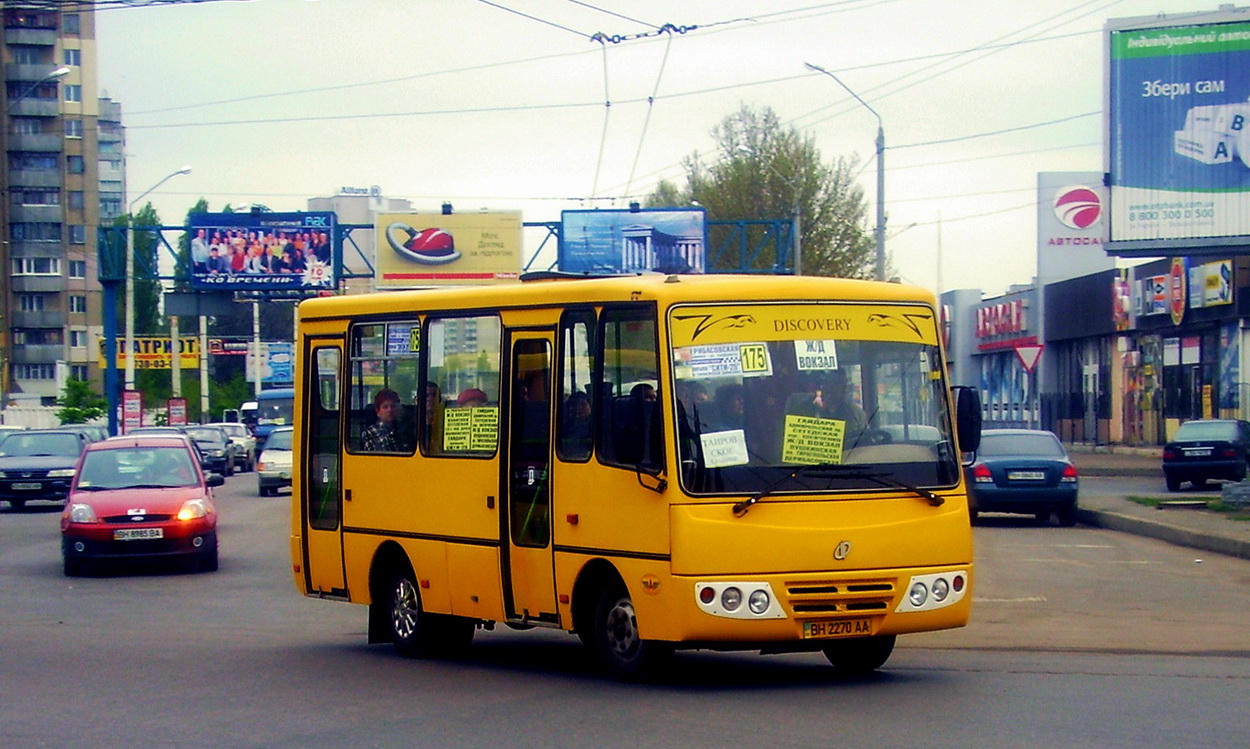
pixel 63 174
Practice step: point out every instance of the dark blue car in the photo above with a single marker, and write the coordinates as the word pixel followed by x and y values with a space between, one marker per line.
pixel 38 464
pixel 1205 449
pixel 1024 471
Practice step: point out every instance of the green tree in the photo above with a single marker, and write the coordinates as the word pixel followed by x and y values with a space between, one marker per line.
pixel 79 404
pixel 763 170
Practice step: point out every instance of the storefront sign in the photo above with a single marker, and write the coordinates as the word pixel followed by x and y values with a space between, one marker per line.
pixel 1001 319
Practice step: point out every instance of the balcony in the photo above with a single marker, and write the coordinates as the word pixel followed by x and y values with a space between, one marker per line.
pixel 42 319
pixel 43 37
pixel 28 72
pixel 36 213
pixel 35 284
pixel 36 142
pixel 31 107
pixel 35 178
pixel 41 354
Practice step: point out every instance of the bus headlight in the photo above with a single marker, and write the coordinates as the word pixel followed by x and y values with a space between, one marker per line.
pixel 725 599
pixel 935 591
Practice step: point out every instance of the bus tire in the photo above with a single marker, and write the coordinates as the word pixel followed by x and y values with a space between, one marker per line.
pixel 856 656
pixel 624 654
pixel 410 625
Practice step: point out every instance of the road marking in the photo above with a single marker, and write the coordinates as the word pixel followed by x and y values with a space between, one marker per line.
pixel 1023 599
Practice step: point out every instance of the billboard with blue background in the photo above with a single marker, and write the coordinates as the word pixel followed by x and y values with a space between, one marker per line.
pixel 1179 131
pixel 669 240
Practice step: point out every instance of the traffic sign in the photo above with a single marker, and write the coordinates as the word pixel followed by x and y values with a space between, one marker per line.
pixel 1029 356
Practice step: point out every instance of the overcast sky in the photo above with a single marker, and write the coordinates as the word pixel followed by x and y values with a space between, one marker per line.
pixel 500 104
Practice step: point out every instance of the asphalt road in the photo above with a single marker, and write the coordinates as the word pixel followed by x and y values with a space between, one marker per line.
pixel 1081 638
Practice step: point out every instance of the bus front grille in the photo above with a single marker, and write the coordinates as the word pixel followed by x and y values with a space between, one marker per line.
pixel 841 597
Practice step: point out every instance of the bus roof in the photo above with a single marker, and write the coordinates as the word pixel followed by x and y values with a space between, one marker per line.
pixel 649 286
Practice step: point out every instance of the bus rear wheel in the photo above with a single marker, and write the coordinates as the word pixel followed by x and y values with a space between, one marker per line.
pixel 857 656
pixel 622 651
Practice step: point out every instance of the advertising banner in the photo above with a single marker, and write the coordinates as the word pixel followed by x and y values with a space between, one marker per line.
pixel 154 352
pixel 272 251
pixel 624 241
pixel 456 249
pixel 1071 226
pixel 1179 131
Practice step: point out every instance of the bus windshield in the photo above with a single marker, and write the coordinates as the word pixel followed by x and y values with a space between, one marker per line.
pixel 838 400
pixel 276 411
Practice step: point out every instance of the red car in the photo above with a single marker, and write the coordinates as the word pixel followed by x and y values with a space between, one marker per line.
pixel 136 498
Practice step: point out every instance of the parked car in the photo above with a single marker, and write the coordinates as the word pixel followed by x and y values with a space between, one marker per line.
pixel 38 464
pixel 1023 471
pixel 94 432
pixel 215 445
pixel 273 468
pixel 138 497
pixel 241 436
pixel 1205 449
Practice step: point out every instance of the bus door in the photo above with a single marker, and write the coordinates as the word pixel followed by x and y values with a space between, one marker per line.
pixel 321 497
pixel 526 525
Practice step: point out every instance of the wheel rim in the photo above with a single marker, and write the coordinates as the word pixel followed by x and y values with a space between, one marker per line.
pixel 621 629
pixel 405 609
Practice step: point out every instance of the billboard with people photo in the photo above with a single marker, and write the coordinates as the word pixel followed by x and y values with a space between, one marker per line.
pixel 241 251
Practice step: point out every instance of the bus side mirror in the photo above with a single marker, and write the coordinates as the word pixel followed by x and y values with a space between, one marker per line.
pixel 967 417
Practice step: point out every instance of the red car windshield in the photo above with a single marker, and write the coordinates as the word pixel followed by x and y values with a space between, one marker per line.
pixel 137 467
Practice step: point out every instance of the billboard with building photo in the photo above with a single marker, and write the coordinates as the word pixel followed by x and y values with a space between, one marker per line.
pixel 1178 125
pixel 270 251
pixel 446 249
pixel 668 240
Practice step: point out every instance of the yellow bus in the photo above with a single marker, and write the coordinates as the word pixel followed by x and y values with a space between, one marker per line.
pixel 650 462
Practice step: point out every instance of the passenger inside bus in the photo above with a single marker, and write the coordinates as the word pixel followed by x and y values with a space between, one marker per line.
pixel 385 434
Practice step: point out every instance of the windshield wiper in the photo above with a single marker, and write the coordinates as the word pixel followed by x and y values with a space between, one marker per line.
pixel 841 471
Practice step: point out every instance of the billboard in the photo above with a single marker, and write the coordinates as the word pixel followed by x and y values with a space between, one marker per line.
pixel 271 251
pixel 669 240
pixel 1178 120
pixel 447 249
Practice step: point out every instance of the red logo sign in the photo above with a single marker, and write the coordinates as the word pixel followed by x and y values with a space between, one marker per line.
pixel 1176 290
pixel 1078 207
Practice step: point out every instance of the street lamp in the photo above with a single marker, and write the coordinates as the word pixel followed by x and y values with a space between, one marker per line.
pixel 4 297
pixel 130 278
pixel 880 171
pixel 796 215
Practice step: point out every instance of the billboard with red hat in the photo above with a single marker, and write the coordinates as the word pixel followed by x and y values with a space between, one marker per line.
pixel 447 249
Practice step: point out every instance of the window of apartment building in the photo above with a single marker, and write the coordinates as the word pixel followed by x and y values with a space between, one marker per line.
pixel 34 371
pixel 73 128
pixel 73 92
pixel 75 199
pixel 25 55
pixel 78 338
pixel 38 336
pixel 25 18
pixel 78 269
pixel 108 147
pixel 21 90
pixel 73 57
pixel 78 372
pixel 35 196
pixel 26 125
pixel 110 207
pixel 34 231
pixel 36 266
pixel 77 303
pixel 77 234
pixel 74 164
pixel 30 302
pixel 32 161
pixel 71 23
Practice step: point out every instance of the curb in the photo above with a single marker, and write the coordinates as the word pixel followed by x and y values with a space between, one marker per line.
pixel 1171 534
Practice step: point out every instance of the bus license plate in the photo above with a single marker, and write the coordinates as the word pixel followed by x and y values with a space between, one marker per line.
pixel 839 628
pixel 138 534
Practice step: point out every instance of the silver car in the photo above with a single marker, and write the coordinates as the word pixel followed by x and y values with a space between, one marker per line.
pixel 240 435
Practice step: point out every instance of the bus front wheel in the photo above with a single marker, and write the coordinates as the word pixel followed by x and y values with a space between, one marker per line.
pixel 417 633
pixel 857 656
pixel 622 651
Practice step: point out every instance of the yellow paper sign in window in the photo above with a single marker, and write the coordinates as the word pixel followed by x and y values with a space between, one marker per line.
pixel 812 441
pixel 470 429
